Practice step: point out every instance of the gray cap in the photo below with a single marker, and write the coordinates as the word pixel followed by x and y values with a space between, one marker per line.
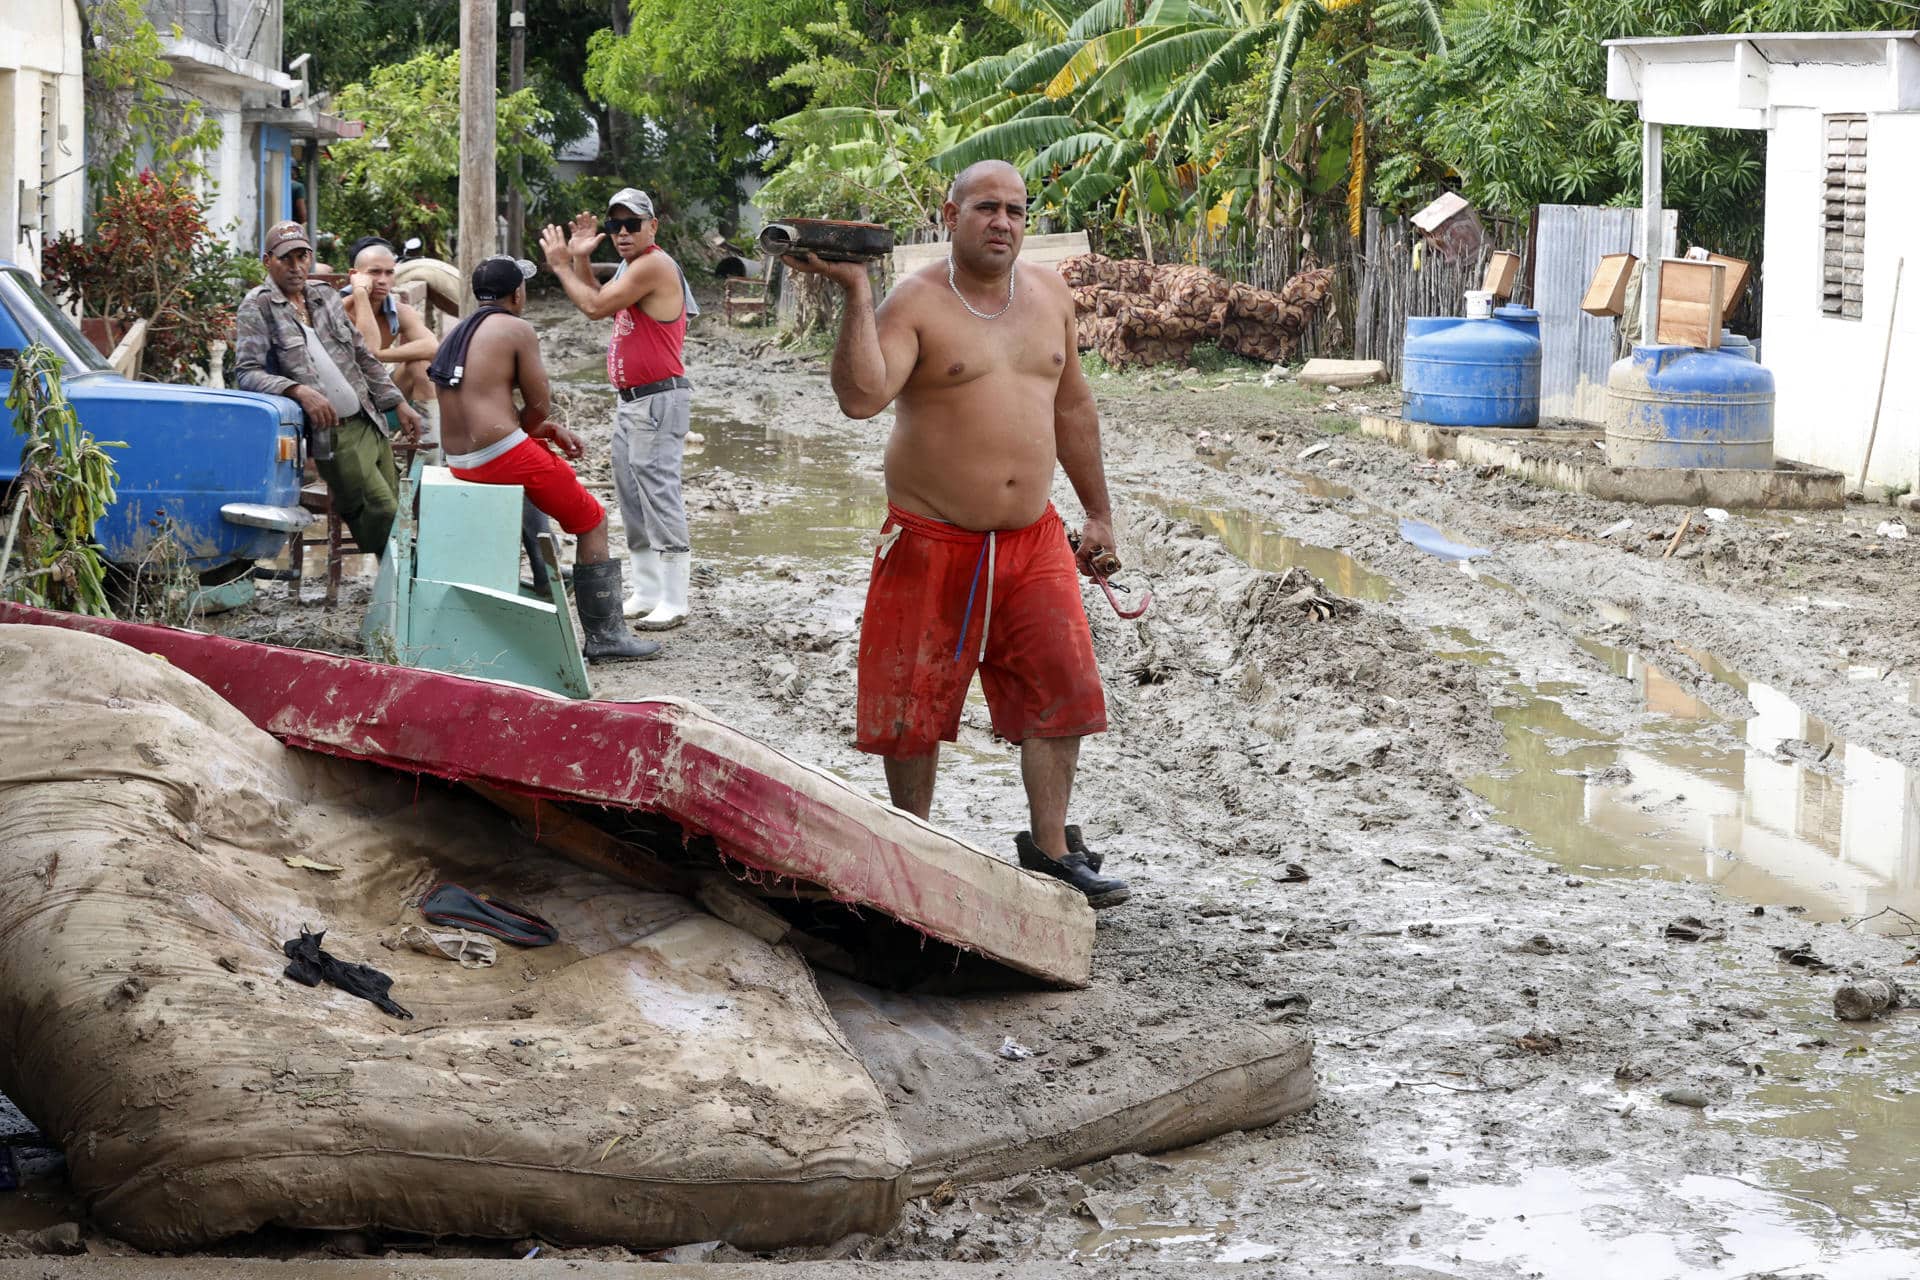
pixel 632 198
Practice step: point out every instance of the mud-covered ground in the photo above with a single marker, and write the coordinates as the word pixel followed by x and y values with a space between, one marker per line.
pixel 1457 810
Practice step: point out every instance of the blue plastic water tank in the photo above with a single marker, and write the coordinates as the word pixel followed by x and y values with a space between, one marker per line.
pixel 1738 344
pixel 1671 406
pixel 1474 372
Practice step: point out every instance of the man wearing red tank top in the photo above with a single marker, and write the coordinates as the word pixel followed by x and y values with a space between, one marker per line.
pixel 650 304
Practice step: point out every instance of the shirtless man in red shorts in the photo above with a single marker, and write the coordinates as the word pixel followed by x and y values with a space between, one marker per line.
pixel 488 356
pixel 974 569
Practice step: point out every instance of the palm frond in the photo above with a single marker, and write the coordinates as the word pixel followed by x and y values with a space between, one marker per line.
pixel 1041 67
pixel 1302 19
pixel 1155 59
pixel 1038 19
pixel 1093 56
pixel 980 76
pixel 1006 141
pixel 1100 17
pixel 1011 107
pixel 1220 69
pixel 1063 154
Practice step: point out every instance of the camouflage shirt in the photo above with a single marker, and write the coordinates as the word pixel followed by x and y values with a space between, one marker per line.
pixel 271 355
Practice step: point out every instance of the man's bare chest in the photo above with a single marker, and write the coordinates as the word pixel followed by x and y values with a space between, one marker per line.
pixel 978 353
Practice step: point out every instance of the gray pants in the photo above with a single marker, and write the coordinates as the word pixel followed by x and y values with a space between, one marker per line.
pixel 648 438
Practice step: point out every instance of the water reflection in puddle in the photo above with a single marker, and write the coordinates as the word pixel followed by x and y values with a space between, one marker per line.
pixel 1712 1227
pixel 1248 538
pixel 825 508
pixel 1832 826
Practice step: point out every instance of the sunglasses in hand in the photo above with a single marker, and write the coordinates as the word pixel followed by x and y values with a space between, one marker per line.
pixel 613 226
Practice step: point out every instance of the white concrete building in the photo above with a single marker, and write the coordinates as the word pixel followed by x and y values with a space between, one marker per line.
pixel 1842 116
pixel 43 181
pixel 229 57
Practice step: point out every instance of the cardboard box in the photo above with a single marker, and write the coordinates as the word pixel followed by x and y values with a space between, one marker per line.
pixel 1502 269
pixel 1607 291
pixel 1738 270
pixel 1692 303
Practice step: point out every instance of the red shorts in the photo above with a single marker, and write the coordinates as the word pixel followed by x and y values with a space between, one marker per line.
pixel 548 480
pixel 921 636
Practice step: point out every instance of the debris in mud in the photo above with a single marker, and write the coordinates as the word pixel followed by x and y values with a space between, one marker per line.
pixel 1800 955
pixel 1013 1051
pixel 1867 999
pixel 1296 874
pixel 1694 929
pixel 1289 1005
pixel 1685 1096
pixel 1310 594
pixel 1537 1041
pixel 1538 945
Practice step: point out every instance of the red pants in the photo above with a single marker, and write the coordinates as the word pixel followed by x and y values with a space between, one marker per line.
pixel 549 481
pixel 935 590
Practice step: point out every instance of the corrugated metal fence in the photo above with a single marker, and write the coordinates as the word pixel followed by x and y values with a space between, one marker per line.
pixel 1578 349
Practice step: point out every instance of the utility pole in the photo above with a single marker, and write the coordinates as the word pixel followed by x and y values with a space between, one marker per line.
pixel 479 90
pixel 517 80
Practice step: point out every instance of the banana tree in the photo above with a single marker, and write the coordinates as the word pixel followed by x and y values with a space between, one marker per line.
pixel 1190 58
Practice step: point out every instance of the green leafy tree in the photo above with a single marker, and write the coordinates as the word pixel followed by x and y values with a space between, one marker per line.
pixel 135 119
pixel 402 175
pixel 709 78
pixel 1515 113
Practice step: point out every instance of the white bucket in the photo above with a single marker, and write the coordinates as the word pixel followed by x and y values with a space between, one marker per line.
pixel 1479 304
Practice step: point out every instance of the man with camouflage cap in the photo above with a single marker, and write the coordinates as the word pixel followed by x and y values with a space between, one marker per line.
pixel 295 340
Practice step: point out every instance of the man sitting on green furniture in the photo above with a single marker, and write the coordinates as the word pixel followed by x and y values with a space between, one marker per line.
pixel 294 339
pixel 488 357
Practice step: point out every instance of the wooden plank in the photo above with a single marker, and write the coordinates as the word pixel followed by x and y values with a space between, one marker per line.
pixel 553 826
pixel 1607 291
pixel 1502 269
pixel 1046 251
pixel 1692 302
pixel 1738 269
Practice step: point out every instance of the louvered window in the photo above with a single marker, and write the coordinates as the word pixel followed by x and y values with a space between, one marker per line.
pixel 49 126
pixel 1844 218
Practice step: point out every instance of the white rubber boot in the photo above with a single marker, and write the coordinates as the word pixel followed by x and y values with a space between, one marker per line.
pixel 646 584
pixel 675 566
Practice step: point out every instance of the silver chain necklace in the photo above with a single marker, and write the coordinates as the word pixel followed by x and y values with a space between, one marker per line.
pixel 1012 272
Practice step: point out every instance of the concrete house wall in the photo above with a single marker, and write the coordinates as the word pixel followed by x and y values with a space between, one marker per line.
pixel 42 127
pixel 1827 368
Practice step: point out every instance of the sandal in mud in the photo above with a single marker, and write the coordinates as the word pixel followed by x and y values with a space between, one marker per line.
pixel 1102 891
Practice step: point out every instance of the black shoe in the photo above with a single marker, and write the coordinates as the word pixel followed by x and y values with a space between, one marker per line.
pixel 1076 845
pixel 1101 891
pixel 597 597
pixel 1033 860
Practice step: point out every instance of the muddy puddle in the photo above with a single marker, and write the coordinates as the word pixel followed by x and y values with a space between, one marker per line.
pixel 1248 538
pixel 823 506
pixel 1774 810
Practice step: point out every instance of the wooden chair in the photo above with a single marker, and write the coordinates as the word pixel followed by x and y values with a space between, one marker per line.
pixel 337 538
pixel 744 297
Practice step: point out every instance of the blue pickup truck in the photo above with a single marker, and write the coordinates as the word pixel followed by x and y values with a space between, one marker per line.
pixel 219 469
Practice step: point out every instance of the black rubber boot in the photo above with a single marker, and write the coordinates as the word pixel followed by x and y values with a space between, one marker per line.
pixel 533 523
pixel 1102 891
pixel 596 594
pixel 1031 857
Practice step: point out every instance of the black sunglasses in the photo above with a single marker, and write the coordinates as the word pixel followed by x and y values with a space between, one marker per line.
pixel 629 225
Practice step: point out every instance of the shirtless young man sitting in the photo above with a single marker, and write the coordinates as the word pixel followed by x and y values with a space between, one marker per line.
pixel 488 440
pixel 394 331
pixel 974 569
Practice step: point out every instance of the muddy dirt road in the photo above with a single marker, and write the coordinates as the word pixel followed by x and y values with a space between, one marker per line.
pixel 1457 809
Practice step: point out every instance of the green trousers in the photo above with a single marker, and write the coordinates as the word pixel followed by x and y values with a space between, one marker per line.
pixel 364 482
